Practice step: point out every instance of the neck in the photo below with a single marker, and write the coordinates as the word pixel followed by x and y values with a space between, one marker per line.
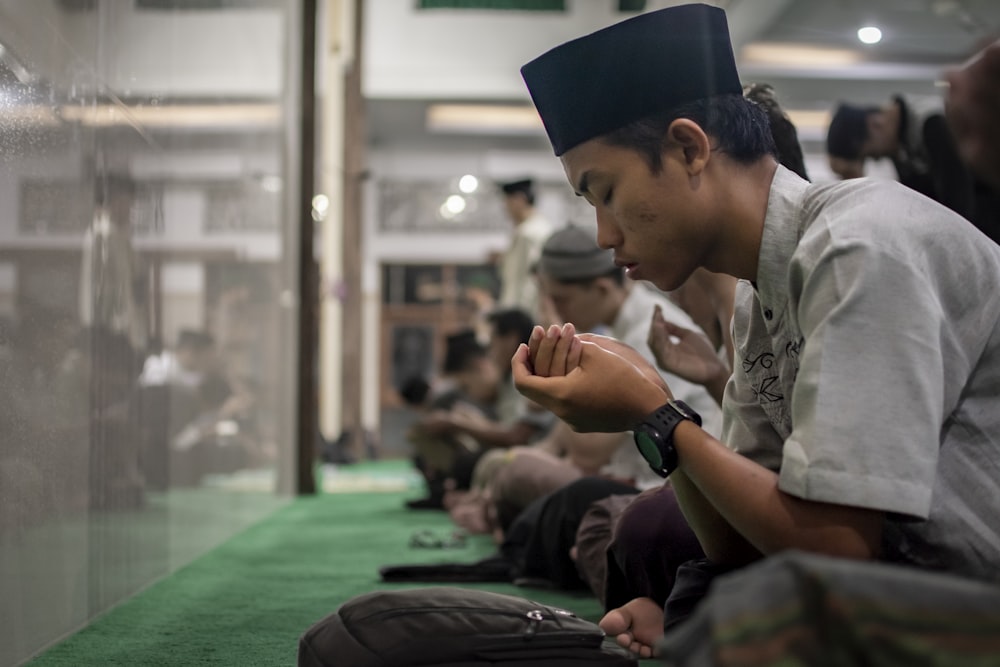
pixel 741 214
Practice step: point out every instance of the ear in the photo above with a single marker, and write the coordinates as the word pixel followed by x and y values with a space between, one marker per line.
pixel 687 135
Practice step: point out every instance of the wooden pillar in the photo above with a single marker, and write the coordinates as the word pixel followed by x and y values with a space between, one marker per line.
pixel 307 426
pixel 353 178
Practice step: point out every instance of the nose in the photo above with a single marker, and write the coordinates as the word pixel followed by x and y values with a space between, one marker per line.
pixel 608 234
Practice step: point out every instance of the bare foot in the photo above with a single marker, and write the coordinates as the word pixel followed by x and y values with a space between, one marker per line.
pixel 453 498
pixel 471 516
pixel 637 625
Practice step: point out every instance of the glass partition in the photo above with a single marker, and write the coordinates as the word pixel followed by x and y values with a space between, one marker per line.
pixel 148 299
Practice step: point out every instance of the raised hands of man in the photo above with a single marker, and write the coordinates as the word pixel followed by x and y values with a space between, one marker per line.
pixel 593 383
pixel 684 352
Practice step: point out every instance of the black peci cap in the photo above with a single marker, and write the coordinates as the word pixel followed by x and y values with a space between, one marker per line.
pixel 525 185
pixel 654 62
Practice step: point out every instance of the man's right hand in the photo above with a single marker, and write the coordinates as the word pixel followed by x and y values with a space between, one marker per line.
pixel 590 382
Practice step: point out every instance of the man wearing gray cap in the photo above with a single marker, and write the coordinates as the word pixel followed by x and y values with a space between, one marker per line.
pixel 587 288
pixel 860 421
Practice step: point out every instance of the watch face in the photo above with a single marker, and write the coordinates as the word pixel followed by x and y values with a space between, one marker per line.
pixel 649 450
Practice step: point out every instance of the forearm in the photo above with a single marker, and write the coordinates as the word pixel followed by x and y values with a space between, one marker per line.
pixel 719 540
pixel 746 496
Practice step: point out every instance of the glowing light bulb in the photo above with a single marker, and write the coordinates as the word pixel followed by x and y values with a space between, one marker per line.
pixel 468 183
pixel 870 34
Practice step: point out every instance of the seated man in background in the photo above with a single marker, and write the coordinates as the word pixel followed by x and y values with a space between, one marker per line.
pixel 585 287
pixel 485 411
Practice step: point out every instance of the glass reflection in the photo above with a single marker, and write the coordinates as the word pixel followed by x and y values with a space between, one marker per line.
pixel 146 370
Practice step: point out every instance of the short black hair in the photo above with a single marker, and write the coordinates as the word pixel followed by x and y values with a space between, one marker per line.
pixel 848 131
pixel 414 390
pixel 786 136
pixel 461 348
pixel 738 125
pixel 512 320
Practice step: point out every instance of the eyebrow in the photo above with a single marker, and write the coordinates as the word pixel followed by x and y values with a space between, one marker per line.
pixel 583 187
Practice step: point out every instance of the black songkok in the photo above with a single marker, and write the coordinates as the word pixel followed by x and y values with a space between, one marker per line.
pixel 645 65
pixel 526 186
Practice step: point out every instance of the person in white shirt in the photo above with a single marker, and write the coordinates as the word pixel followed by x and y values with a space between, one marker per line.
pixel 517 282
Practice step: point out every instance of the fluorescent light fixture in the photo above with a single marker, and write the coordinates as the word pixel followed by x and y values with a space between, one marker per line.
pixel 798 56
pixel 205 116
pixel 33 115
pixel 807 119
pixel 483 119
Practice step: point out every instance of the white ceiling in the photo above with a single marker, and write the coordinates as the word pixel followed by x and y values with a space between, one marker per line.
pixel 413 58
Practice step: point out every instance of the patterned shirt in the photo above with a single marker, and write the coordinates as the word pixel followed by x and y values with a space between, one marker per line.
pixel 868 366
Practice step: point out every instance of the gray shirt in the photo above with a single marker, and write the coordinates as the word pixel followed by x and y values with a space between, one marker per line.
pixel 868 365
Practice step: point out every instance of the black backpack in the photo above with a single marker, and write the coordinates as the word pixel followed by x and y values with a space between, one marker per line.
pixel 454 627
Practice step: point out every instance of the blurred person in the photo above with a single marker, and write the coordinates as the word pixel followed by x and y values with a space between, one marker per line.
pixel 841 437
pixel 190 362
pixel 913 133
pixel 222 436
pixel 586 288
pixel 108 279
pixel 193 406
pixel 483 376
pixel 483 412
pixel 531 228
pixel 972 107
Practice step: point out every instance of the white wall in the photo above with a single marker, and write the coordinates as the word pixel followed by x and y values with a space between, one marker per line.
pixel 467 54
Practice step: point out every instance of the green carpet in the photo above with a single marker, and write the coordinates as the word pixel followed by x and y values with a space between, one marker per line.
pixel 247 601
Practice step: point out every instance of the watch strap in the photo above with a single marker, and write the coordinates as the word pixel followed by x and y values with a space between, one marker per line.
pixel 663 421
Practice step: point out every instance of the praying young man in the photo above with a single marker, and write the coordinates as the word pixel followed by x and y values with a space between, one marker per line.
pixel 860 421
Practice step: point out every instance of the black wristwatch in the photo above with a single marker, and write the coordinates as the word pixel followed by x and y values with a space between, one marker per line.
pixel 654 435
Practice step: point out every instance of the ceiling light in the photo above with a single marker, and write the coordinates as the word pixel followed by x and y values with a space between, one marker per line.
pixel 483 119
pixel 798 56
pixel 468 184
pixel 455 204
pixel 221 116
pixel 21 117
pixel 321 203
pixel 870 34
